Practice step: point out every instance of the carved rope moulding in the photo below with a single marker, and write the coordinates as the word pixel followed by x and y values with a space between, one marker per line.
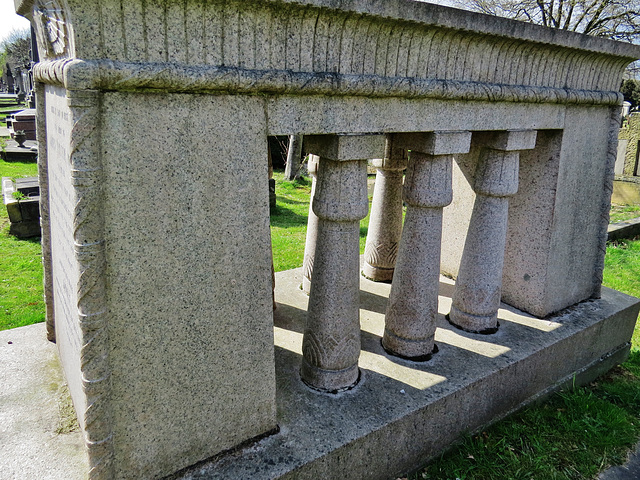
pixel 88 227
pixel 76 74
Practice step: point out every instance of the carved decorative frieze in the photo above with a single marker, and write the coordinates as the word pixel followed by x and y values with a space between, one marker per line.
pixel 110 75
pixel 412 50
pixel 88 226
pixel 51 27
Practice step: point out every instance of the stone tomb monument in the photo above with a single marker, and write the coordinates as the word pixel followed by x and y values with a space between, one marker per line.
pixel 158 266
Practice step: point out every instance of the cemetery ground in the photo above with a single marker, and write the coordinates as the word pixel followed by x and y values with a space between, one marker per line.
pixel 572 435
pixel 620 213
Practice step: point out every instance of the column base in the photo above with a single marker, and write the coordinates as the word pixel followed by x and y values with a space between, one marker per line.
pixel 329 381
pixel 468 322
pixel 377 274
pixel 414 350
pixel 305 286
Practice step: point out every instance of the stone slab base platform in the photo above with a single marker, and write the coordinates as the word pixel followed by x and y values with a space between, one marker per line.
pixel 399 416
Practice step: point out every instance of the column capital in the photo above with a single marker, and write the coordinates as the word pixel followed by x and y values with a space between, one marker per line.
pixel 497 173
pixel 435 143
pixel 341 191
pixel 395 156
pixel 312 165
pixel 344 148
pixel 511 140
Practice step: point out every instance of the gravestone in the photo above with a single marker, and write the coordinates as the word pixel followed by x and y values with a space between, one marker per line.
pixel 22 201
pixel 156 244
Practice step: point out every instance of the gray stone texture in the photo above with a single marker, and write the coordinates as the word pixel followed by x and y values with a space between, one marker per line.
pixel 312 227
pixel 385 220
pixel 479 282
pixel 410 321
pixel 157 236
pixel 294 154
pixel 177 337
pixel 349 433
pixel 331 345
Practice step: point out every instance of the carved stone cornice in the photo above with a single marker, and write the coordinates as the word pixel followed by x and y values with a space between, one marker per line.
pixel 356 47
pixel 75 74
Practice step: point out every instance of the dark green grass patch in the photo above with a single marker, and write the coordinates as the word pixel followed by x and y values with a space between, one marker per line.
pixel 572 436
pixel 21 301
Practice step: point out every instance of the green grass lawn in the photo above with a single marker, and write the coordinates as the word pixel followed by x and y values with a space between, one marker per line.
pixel 20 265
pixel 573 435
pixel 289 222
pixel 620 213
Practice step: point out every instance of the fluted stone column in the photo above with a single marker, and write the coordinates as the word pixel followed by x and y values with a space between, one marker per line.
pixel 413 302
pixel 312 228
pixel 476 297
pixel 385 221
pixel 331 342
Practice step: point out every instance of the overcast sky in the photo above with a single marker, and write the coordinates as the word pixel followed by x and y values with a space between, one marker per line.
pixel 9 20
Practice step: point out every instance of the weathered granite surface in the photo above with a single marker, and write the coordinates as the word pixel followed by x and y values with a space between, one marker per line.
pixel 385 221
pixel 410 321
pixel 421 406
pixel 157 259
pixel 312 228
pixel 479 281
pixel 331 344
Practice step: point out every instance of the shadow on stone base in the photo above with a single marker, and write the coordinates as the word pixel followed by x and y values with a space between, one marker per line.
pixel 403 413
pixel 398 417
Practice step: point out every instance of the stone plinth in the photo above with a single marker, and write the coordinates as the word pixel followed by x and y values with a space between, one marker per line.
pixel 349 433
pixel 15 153
pixel 156 236
pixel 22 201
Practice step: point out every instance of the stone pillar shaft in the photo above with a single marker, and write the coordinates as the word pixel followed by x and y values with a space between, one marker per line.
pixel 331 342
pixel 477 294
pixel 385 221
pixel 312 229
pixel 410 321
pixel 294 153
pixel 331 345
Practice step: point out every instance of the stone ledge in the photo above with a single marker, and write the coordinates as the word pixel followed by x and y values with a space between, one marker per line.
pixel 76 74
pixel 626 229
pixel 398 417
pixel 402 413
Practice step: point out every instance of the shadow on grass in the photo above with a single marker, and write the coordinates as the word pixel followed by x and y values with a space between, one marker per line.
pixel 286 218
pixel 291 202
